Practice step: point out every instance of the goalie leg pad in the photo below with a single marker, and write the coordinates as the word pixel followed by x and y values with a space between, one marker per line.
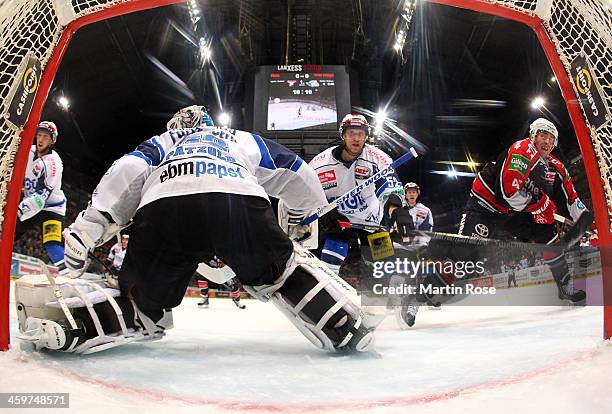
pixel 320 304
pixel 103 319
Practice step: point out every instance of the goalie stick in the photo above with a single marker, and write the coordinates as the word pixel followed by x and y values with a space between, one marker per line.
pixel 343 198
pixel 57 292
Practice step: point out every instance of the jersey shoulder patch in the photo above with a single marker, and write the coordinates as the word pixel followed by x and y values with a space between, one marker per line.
pixel 518 163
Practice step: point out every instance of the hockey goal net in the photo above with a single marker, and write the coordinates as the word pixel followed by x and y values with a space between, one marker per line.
pixel 35 32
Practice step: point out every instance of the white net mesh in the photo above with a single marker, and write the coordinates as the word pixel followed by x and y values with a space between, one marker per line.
pixel 585 26
pixel 27 26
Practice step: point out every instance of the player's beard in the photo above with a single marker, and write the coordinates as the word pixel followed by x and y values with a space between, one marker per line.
pixel 544 153
pixel 353 153
pixel 43 150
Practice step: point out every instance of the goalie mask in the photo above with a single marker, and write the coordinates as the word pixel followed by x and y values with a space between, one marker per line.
pixel 190 117
pixel 543 125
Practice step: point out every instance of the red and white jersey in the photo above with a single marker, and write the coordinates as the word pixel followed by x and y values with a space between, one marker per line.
pixel 42 187
pixel 116 255
pixel 337 177
pixel 518 178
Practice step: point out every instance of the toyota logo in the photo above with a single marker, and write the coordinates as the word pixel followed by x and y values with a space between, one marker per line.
pixel 482 230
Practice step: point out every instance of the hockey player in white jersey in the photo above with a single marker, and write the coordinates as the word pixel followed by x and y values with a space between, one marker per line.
pixel 423 220
pixel 194 194
pixel 43 205
pixel 421 214
pixel 341 168
pixel 116 254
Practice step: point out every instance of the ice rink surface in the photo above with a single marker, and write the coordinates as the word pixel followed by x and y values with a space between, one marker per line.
pixel 222 360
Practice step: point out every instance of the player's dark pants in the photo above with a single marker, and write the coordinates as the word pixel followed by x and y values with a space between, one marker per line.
pixel 478 222
pixel 172 235
pixel 50 226
pixel 512 278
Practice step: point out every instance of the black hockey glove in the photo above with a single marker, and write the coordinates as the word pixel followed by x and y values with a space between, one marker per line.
pixel 402 221
pixel 328 223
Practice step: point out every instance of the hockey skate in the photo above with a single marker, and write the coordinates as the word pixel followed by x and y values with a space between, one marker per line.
pixel 569 293
pixel 203 304
pixel 238 304
pixel 406 314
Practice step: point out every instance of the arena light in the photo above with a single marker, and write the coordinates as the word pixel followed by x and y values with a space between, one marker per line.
pixel 63 102
pixel 224 119
pixel 400 39
pixel 453 173
pixel 380 118
pixel 470 163
pixel 194 11
pixel 205 50
pixel 537 102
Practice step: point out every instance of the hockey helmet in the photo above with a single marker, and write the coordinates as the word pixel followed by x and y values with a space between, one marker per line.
pixel 412 186
pixel 543 124
pixel 354 121
pixel 190 117
pixel 48 127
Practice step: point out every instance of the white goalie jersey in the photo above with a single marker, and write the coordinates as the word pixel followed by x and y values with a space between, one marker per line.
pixel 206 160
pixel 338 177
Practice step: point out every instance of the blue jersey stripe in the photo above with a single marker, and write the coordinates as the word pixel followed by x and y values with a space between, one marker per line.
pixel 59 203
pixel 297 163
pixel 382 188
pixel 162 154
pixel 141 155
pixel 266 158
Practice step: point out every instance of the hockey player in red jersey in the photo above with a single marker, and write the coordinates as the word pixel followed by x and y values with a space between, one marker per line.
pixel 516 194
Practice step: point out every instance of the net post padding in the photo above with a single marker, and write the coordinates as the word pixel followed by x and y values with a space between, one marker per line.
pixel 583 133
pixel 27 136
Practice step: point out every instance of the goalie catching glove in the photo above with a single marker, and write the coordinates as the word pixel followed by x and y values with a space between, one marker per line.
pixel 91 229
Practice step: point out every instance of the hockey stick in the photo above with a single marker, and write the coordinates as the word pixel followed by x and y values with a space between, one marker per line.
pixel 569 222
pixel 349 194
pixel 100 262
pixel 507 244
pixel 57 292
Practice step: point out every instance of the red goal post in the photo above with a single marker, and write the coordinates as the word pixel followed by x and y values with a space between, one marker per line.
pixel 43 29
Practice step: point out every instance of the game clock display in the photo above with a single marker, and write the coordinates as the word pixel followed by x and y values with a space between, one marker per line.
pixel 301 100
